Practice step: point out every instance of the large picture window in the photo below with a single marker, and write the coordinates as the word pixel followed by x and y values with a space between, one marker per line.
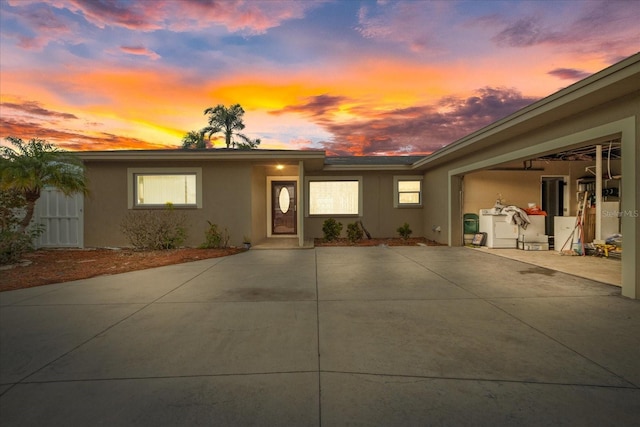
pixel 163 189
pixel 334 197
pixel 407 191
pixel 151 187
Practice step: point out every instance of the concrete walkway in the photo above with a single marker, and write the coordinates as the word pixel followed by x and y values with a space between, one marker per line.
pixel 326 336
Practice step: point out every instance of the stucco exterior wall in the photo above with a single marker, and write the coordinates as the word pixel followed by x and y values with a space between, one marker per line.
pixel 436 212
pixel 226 201
pixel 379 216
pixel 258 204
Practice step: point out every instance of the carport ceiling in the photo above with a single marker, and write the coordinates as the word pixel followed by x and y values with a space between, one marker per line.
pixel 611 150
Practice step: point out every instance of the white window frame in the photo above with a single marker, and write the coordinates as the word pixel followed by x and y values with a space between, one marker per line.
pixel 310 179
pixel 397 192
pixel 131 185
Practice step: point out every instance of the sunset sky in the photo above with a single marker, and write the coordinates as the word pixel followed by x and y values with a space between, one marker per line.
pixel 349 77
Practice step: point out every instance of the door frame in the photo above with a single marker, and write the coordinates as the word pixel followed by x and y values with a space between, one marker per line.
pixel 270 181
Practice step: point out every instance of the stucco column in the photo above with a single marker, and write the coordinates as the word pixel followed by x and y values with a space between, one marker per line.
pixel 630 208
pixel 301 203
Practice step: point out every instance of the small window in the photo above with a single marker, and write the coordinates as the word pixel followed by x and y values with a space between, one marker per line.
pixel 407 192
pixel 150 187
pixel 334 197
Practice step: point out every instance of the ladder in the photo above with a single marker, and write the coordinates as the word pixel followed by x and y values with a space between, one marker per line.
pixel 578 227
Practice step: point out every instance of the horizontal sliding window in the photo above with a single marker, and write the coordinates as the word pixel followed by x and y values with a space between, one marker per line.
pixel 334 197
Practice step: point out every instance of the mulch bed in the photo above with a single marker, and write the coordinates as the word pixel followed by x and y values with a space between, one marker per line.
pixel 46 266
pixel 413 241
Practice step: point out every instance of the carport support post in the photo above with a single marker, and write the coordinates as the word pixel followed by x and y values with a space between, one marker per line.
pixel 630 207
pixel 598 197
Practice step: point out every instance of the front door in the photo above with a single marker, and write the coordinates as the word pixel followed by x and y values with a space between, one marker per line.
pixel 284 205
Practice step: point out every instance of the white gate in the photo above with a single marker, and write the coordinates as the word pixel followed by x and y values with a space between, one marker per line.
pixel 62 219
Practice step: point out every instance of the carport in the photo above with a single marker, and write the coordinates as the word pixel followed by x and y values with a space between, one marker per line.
pixel 598 110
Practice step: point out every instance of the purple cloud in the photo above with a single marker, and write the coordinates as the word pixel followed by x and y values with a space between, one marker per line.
pixel 32 107
pixel 72 140
pixel 569 73
pixel 315 106
pixel 524 32
pixel 586 27
pixel 413 130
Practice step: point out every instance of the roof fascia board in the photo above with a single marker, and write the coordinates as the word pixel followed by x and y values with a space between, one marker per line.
pixel 336 168
pixel 597 81
pixel 190 155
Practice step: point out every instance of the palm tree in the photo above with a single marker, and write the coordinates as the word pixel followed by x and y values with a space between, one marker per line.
pixel 248 144
pixel 226 120
pixel 194 139
pixel 34 165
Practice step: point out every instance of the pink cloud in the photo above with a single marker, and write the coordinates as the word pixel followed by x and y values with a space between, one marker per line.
pixel 102 13
pixel 251 17
pixel 140 50
pixel 43 22
pixel 414 24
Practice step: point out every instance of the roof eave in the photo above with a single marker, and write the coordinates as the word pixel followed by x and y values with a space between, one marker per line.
pixel 622 70
pixel 200 155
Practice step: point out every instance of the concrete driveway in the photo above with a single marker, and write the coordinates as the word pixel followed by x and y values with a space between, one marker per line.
pixel 325 336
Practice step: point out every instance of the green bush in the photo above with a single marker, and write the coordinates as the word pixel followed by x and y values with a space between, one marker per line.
pixel 215 238
pixel 354 232
pixel 13 243
pixel 404 231
pixel 331 229
pixel 155 229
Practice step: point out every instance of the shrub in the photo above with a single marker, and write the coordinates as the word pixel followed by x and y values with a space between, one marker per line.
pixel 331 229
pixel 215 238
pixel 13 245
pixel 404 231
pixel 13 242
pixel 155 229
pixel 354 232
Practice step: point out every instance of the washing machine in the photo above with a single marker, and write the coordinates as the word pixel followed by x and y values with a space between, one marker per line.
pixel 500 233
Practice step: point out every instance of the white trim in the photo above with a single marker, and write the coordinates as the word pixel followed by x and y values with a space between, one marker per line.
pixel 131 172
